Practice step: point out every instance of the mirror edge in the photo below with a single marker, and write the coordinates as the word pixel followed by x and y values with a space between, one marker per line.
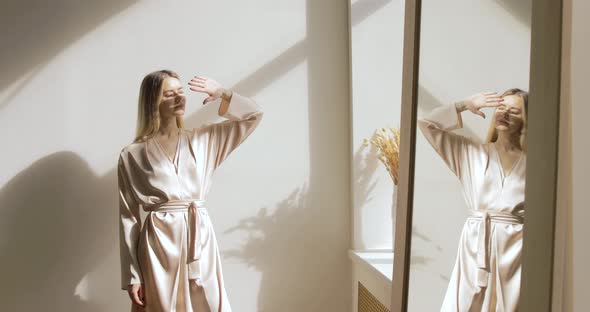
pixel 403 226
pixel 541 176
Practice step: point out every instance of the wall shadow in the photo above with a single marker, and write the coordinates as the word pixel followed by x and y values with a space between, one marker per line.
pixel 419 261
pixel 62 216
pixel 522 10
pixel 365 166
pixel 299 52
pixel 35 31
pixel 62 224
pixel 287 244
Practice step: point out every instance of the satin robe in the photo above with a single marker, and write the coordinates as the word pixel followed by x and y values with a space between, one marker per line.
pixel 486 275
pixel 168 253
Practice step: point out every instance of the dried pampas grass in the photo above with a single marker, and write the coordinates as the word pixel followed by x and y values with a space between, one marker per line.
pixel 386 141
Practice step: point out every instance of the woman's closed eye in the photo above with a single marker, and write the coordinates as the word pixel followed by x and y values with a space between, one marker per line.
pixel 171 94
pixel 511 110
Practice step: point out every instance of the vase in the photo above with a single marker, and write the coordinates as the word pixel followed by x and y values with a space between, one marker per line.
pixel 393 212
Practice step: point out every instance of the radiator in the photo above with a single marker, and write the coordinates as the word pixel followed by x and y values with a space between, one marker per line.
pixel 368 302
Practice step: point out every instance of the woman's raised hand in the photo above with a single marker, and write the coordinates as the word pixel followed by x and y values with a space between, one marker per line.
pixel 208 86
pixel 478 101
pixel 136 294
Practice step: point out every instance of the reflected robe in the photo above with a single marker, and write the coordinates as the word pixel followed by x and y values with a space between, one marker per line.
pixel 486 275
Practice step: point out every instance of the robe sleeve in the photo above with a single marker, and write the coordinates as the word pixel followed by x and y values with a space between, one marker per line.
pixel 129 229
pixel 455 150
pixel 222 138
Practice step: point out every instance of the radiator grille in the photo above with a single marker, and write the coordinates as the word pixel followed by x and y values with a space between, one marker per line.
pixel 368 302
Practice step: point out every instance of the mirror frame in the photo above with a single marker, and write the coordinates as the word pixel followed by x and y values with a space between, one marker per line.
pixel 542 145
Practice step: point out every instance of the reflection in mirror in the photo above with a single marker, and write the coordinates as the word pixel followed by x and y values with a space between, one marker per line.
pixel 470 160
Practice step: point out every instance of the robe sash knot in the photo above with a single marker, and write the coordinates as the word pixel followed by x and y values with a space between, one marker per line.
pixel 483 245
pixel 194 208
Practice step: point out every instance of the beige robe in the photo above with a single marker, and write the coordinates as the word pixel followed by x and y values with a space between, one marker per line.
pixel 486 276
pixel 175 249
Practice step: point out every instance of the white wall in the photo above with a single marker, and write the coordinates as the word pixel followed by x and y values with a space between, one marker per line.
pixel 465 47
pixel 572 252
pixel 68 88
pixel 376 60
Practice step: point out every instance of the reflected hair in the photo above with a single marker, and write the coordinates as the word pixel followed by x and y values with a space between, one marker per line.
pixel 150 96
pixel 493 132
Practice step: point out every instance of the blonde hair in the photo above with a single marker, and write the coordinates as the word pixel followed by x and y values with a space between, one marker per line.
pixel 148 112
pixel 493 133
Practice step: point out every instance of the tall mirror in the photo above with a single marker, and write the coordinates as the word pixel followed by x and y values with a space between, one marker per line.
pixel 470 155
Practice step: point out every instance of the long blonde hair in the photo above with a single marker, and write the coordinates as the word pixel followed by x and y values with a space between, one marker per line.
pixel 493 133
pixel 148 112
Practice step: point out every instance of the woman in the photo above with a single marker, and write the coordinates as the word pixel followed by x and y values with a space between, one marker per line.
pixel 486 276
pixel 172 262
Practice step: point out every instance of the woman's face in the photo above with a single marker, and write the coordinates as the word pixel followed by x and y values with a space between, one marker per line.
pixel 173 99
pixel 509 116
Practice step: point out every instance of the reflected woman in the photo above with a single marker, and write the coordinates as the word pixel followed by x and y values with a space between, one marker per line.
pixel 486 275
pixel 171 262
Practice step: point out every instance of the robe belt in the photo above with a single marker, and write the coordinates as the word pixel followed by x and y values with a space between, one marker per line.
pixel 190 206
pixel 483 240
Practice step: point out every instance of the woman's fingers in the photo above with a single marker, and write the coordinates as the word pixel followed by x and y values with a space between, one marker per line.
pixel 197 80
pixel 204 85
pixel 141 294
pixel 494 100
pixel 136 298
pixel 196 84
pixel 209 99
pixel 135 292
pixel 494 103
pixel 489 93
pixel 480 113
pixel 493 96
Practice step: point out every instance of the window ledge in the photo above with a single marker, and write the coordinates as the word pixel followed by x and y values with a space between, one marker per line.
pixel 379 262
